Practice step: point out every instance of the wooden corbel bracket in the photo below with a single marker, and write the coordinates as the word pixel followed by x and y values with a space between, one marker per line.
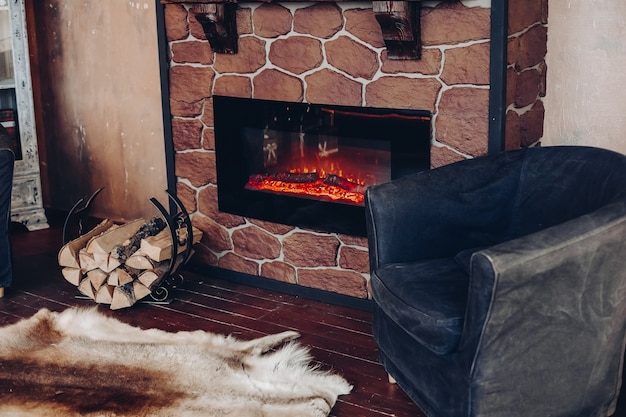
pixel 398 20
pixel 219 22
pixel 400 25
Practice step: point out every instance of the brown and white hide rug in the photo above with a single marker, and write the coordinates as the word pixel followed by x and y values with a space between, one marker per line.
pixel 82 363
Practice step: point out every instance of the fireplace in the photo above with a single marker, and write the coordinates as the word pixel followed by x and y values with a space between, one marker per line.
pixel 308 165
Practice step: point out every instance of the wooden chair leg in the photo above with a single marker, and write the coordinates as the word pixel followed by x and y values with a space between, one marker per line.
pixel 391 379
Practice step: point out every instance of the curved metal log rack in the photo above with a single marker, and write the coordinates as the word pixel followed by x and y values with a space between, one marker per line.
pixel 176 219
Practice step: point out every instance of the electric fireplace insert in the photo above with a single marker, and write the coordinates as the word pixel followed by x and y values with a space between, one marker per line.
pixel 308 165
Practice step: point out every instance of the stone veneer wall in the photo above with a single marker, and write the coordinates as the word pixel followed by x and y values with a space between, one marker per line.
pixel 324 53
pixel 526 72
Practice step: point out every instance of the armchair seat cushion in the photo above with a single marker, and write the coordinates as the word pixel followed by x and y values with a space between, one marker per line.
pixel 431 308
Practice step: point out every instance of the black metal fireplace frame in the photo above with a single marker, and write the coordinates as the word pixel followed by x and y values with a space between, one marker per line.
pixel 408 133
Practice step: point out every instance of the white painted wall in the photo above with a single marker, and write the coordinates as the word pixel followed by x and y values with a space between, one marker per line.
pixel 586 81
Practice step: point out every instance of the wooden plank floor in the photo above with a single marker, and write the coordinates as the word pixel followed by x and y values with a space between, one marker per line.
pixel 339 337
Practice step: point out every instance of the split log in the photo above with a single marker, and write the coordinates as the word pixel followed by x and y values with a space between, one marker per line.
pixel 97 278
pixel 105 294
pixel 112 238
pixel 106 262
pixel 68 255
pixel 151 228
pixel 86 289
pixel 159 247
pixel 139 261
pixel 120 276
pixel 86 260
pixel 153 277
pixel 123 296
pixel 140 290
pixel 72 275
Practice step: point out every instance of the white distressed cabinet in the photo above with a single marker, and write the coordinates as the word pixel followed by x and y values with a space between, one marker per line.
pixel 17 114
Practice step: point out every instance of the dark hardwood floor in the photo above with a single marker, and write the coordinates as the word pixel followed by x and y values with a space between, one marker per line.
pixel 339 337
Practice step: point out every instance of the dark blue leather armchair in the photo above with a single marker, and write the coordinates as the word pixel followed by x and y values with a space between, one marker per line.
pixel 7 159
pixel 500 283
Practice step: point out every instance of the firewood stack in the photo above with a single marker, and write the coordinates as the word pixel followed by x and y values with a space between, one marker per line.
pixel 122 264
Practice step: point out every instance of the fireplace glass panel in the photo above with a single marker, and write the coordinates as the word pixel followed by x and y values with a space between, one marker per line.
pixel 308 165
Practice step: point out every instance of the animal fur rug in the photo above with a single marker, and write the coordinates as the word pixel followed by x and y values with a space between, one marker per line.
pixel 82 363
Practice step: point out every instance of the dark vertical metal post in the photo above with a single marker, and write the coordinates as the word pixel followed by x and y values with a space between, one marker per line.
pixel 497 75
pixel 165 96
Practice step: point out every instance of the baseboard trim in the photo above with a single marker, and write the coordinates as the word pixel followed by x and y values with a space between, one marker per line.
pixel 283 287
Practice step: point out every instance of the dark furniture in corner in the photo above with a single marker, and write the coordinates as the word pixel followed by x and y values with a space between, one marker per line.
pixel 7 158
pixel 500 283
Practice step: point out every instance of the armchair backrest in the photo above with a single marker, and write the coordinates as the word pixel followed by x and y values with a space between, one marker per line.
pixel 489 200
pixel 557 184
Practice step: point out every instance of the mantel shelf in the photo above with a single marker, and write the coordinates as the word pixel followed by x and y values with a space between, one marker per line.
pixel 399 22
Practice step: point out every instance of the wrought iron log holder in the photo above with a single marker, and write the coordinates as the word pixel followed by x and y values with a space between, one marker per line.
pixel 176 218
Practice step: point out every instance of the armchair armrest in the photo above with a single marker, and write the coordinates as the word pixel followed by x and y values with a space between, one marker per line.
pixel 555 298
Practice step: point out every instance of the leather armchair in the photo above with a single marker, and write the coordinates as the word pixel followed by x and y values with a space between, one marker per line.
pixel 500 283
pixel 7 160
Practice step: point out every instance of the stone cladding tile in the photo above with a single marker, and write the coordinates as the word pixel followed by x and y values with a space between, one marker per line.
pixel 513 138
pixel 328 86
pixel 244 21
pixel 532 47
pixel 402 92
pixel 195 52
pixel 274 228
pixel 214 236
pixel 362 24
pixel 543 68
pixel 466 135
pixel 186 134
pixel 449 24
pixel 272 20
pixel 190 84
pixel 429 64
pixel 233 86
pixel 195 28
pixel 344 282
pixel 207 113
pixel 354 259
pixel 303 249
pixel 176 26
pixel 187 196
pixel 352 57
pixel 462 122
pixel 279 271
pixel 456 69
pixel 322 20
pixel 296 54
pixel 208 139
pixel 249 59
pixel 207 205
pixel 197 167
pixel 253 242
pixel 531 124
pixel 523 14
pixel 528 87
pixel 203 255
pixel 272 84
pixel 234 262
pixel 354 240
pixel 182 109
pixel 511 85
pixel 441 155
